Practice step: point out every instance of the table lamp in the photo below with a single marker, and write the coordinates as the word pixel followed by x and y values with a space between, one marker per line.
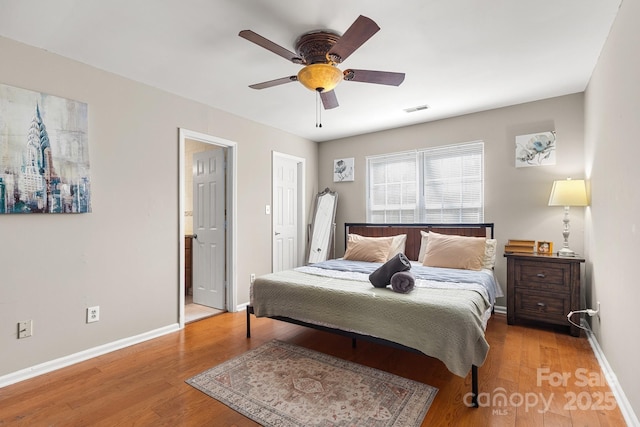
pixel 568 192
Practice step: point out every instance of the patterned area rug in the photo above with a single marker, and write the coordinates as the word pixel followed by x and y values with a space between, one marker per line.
pixel 280 384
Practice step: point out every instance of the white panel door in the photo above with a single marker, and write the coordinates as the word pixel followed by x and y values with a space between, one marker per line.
pixel 285 213
pixel 209 229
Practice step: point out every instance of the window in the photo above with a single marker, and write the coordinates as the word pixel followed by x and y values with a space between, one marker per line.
pixel 392 188
pixel 435 185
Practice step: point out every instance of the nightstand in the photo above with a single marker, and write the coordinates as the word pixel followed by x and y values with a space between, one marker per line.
pixel 543 289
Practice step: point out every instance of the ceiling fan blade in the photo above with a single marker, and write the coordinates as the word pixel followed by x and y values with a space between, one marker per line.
pixel 269 45
pixel 370 76
pixel 275 82
pixel 329 99
pixel 359 32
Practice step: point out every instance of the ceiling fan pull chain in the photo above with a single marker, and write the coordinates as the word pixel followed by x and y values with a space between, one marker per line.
pixel 319 107
pixel 318 110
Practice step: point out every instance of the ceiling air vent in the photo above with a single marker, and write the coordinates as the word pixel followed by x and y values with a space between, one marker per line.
pixel 418 108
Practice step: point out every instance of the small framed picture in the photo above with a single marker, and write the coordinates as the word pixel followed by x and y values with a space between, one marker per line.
pixel 343 170
pixel 536 149
pixel 544 248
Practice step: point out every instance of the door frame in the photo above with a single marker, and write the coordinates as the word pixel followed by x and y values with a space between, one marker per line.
pixel 302 219
pixel 231 215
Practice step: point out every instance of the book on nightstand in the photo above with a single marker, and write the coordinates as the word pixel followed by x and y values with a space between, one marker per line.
pixel 520 246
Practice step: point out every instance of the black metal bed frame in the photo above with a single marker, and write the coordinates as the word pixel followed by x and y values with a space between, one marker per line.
pixel 356 336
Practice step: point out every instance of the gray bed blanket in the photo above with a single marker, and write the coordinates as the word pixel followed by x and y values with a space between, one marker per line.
pixel 442 323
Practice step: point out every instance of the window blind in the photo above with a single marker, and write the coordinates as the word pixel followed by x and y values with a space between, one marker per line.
pixel 393 187
pixel 435 185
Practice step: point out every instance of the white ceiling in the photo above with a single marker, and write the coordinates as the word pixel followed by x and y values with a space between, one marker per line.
pixel 459 56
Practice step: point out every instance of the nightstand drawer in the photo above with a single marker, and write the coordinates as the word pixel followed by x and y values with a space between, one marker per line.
pixel 541 275
pixel 542 306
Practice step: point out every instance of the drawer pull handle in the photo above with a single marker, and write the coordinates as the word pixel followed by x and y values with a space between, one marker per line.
pixel 541 275
pixel 541 305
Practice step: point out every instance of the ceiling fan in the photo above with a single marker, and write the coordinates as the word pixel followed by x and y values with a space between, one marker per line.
pixel 320 52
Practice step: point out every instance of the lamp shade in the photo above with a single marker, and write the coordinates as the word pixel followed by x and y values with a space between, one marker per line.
pixel 320 77
pixel 568 192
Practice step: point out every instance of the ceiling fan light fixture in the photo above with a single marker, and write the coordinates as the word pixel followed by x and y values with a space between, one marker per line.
pixel 320 77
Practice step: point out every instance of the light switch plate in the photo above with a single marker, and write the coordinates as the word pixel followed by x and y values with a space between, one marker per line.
pixel 25 329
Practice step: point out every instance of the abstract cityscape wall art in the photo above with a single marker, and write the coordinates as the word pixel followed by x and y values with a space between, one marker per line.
pixel 44 153
pixel 536 149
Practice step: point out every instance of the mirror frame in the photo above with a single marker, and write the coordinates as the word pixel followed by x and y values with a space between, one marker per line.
pixel 314 227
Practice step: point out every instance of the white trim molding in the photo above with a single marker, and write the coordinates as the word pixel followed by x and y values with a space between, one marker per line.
pixel 623 403
pixel 500 309
pixel 81 356
pixel 232 214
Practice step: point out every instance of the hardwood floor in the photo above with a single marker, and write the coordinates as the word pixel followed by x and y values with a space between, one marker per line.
pixel 143 385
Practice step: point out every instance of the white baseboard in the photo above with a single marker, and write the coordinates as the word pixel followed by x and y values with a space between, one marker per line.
pixel 242 307
pixel 500 309
pixel 71 359
pixel 623 403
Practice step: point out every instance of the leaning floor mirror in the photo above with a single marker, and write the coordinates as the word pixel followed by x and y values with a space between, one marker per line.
pixel 322 229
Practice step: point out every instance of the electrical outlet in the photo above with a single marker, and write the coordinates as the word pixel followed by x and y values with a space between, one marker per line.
pixel 93 314
pixel 25 329
pixel 252 278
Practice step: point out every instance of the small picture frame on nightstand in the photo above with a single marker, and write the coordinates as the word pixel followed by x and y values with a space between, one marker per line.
pixel 544 248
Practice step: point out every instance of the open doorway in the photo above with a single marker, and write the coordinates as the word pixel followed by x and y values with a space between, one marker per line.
pixel 212 257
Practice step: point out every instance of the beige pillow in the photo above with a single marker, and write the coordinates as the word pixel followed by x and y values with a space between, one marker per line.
pixel 488 262
pixel 398 245
pixel 371 249
pixel 449 251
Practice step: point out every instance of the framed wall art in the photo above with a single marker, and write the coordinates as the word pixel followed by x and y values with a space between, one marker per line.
pixel 44 153
pixel 536 149
pixel 343 170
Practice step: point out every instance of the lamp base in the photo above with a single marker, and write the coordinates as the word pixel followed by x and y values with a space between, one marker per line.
pixel 566 252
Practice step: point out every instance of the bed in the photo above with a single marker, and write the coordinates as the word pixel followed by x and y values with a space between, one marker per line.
pixel 444 316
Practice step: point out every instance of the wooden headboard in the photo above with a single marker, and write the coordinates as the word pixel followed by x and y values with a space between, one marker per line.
pixel 412 231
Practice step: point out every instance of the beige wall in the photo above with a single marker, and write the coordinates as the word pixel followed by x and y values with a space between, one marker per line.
pixel 612 116
pixel 516 198
pixel 124 255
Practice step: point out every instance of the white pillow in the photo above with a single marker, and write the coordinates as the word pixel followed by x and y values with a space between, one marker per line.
pixel 490 254
pixel 423 245
pixel 398 245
